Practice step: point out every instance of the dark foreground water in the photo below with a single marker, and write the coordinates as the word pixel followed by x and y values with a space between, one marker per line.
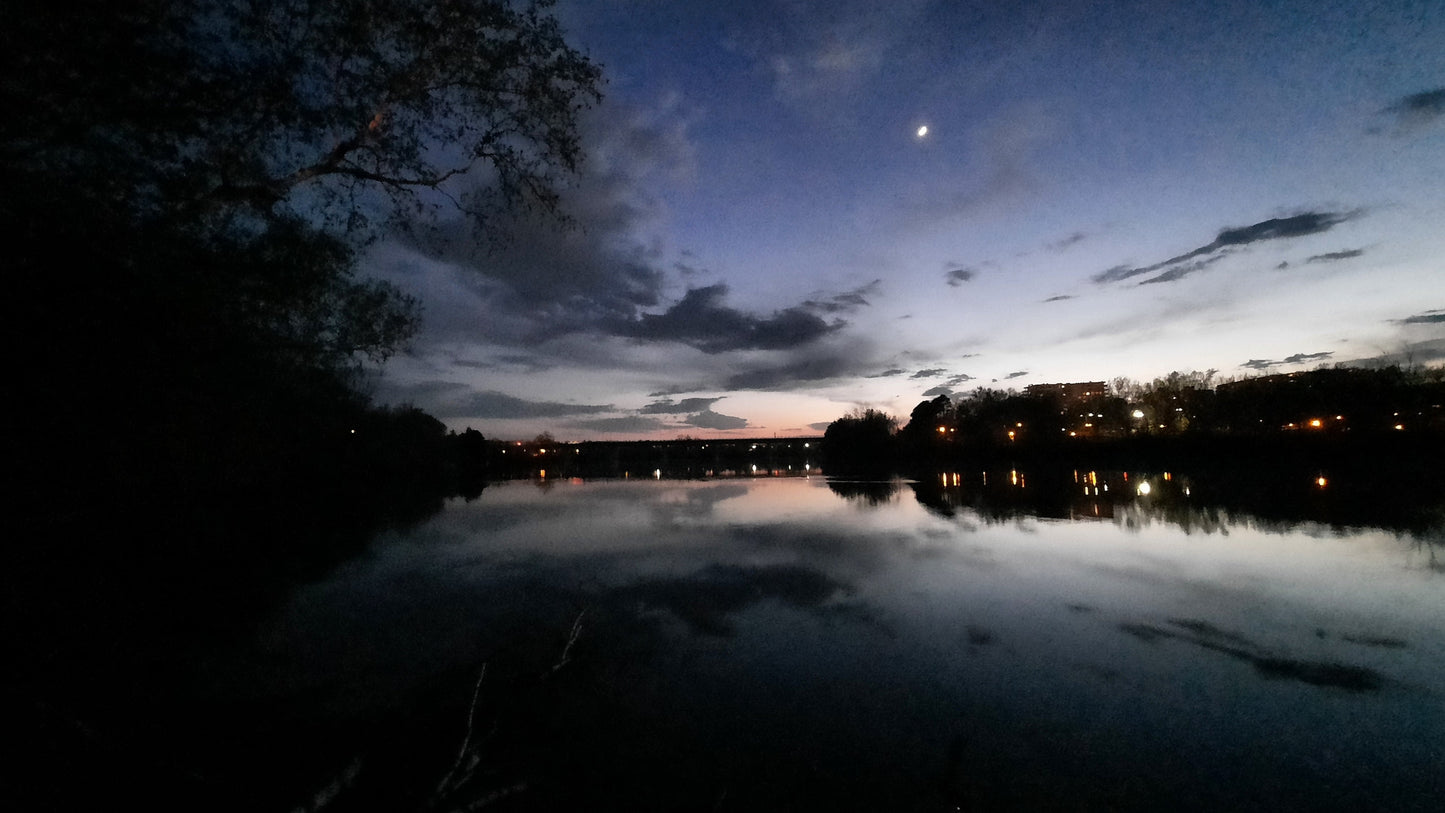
pixel 796 643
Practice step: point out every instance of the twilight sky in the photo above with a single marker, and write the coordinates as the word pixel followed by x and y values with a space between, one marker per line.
pixel 762 240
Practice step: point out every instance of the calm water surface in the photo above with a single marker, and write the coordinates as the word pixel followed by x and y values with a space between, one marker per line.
pixel 796 643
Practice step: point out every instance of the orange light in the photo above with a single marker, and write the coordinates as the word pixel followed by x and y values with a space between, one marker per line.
pixel 1316 423
pixel 1321 482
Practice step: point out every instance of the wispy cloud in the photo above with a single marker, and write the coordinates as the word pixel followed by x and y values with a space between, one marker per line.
pixel 1431 317
pixel 1278 228
pixel 1335 256
pixel 1059 298
pixel 846 302
pixel 1289 361
pixel 1418 109
pixel 932 372
pixel 667 406
pixel 447 399
pixel 1017 374
pixel 1065 242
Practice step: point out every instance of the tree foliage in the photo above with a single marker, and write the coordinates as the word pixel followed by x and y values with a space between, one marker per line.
pixel 223 108
pixel 187 184
pixel 861 438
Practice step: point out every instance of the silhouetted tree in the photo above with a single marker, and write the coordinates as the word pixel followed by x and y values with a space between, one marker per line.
pixel 219 110
pixel 862 438
pixel 928 428
pixel 185 183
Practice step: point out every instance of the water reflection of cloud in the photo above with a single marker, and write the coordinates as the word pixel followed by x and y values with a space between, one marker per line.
pixel 707 600
pixel 1267 664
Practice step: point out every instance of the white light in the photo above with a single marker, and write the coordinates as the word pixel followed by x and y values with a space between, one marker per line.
pixel 922 130
pixel 1144 489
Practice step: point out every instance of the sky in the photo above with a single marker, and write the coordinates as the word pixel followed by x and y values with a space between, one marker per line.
pixel 765 237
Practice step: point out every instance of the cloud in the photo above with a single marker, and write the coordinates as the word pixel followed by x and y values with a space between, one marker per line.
pixel 530 276
pixel 1297 358
pixel 707 419
pixel 818 54
pixel 707 601
pixel 630 424
pixel 1432 317
pixel 1418 109
pixel 889 373
pixel 959 379
pixel 958 275
pixel 1278 228
pixel 804 369
pixel 933 392
pixel 846 302
pixel 700 320
pixel 1334 256
pixel 1185 269
pixel 669 407
pixel 446 399
pixel 1063 243
pixel 1059 298
pixel 1019 374
pixel 932 372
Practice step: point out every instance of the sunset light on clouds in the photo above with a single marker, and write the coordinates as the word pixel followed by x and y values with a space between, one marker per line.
pixel 767 234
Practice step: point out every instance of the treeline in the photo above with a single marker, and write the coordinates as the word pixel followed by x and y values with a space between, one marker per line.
pixel 1343 407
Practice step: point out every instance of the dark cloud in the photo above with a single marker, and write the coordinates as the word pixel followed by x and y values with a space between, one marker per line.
pixel 706 600
pixel 889 373
pixel 630 424
pixel 1336 255
pixel 707 419
pixel 1019 374
pixel 1061 244
pixel 804 370
pixel 932 372
pixel 1434 317
pixel 446 399
pixel 1185 269
pixel 530 276
pixel 846 302
pixel 668 406
pixel 1059 298
pixel 958 275
pixel 933 392
pixel 1418 109
pixel 1297 358
pixel 820 426
pixel 1277 228
pixel 959 379
pixel 701 320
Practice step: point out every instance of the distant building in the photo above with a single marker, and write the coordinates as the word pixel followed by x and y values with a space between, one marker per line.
pixel 1069 395
pixel 1077 402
